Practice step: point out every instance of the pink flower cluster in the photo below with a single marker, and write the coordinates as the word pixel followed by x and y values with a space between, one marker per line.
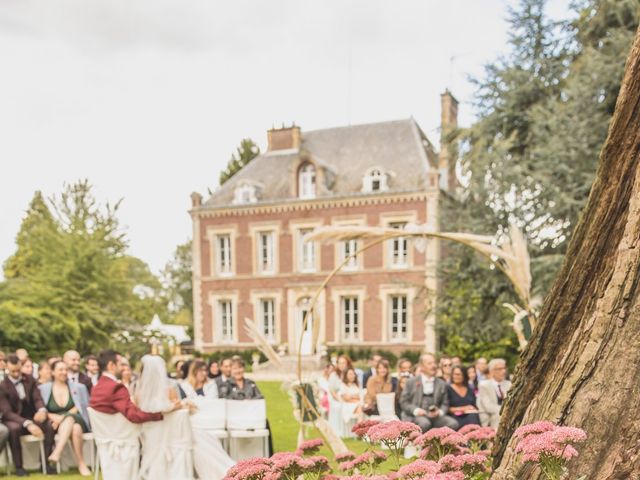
pixel 309 447
pixel 544 441
pixel 367 459
pixel 438 442
pixel 284 465
pixel 361 428
pixel 392 432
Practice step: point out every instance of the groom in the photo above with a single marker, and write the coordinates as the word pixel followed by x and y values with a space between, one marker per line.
pixel 110 396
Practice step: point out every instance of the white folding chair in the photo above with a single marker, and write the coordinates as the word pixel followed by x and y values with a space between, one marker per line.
pixel 386 403
pixel 118 445
pixel 212 417
pixel 27 440
pixel 247 419
pixel 68 459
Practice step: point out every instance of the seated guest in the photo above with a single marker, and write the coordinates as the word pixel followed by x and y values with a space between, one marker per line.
pixel 473 379
pixel 225 372
pixel 126 374
pixel 23 412
pixel 92 370
pixel 492 392
pixel 22 354
pixel 178 373
pixel 425 400
pixel 27 367
pixel 462 400
pixel 237 387
pixel 197 382
pixel 44 373
pixel 67 404
pixel 444 368
pixel 351 400
pixel 3 366
pixel 405 371
pixel 53 359
pixel 214 369
pixel 323 387
pixel 72 359
pixel 381 382
pixel 482 370
pixel 371 371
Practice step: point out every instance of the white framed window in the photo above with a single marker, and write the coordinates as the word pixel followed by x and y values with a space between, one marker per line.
pixel 306 251
pixel 307 181
pixel 349 247
pixel 225 320
pixel 266 252
pixel 398 247
pixel 398 317
pixel 268 318
pixel 223 254
pixel 350 319
pixel 375 180
pixel 245 193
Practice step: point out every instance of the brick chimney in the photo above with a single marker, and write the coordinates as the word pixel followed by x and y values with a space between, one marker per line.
pixel 196 200
pixel 447 156
pixel 284 138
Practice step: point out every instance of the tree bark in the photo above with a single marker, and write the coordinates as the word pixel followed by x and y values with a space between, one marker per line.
pixel 582 365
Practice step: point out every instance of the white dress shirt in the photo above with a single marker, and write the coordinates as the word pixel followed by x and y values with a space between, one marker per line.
pixel 19 386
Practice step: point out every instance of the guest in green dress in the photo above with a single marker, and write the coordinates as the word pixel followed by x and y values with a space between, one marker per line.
pixel 67 404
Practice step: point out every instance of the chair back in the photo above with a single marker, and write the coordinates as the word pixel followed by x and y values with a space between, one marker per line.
pixel 246 414
pixel 386 404
pixel 211 413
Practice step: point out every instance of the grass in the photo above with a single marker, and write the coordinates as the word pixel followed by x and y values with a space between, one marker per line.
pixel 283 427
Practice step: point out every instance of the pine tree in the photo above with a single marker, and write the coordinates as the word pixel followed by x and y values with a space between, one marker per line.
pixel 247 151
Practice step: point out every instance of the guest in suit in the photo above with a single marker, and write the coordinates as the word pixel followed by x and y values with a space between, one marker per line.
pixel 371 371
pixel 23 412
pixel 92 369
pixel 382 382
pixel 444 368
pixel 425 400
pixel 67 404
pixel 462 400
pixel 72 359
pixel 492 392
pixel 404 374
pixel 482 369
pixel 225 373
pixel 4 435
pixel 110 396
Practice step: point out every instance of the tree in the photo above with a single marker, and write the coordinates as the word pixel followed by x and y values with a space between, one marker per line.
pixel 578 368
pixel 70 282
pixel 247 151
pixel 178 286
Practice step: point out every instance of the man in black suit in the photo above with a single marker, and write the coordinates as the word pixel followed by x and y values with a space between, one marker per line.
pixel 225 374
pixel 23 412
pixel 72 359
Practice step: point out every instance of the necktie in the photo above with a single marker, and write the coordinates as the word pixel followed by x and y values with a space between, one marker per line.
pixel 500 393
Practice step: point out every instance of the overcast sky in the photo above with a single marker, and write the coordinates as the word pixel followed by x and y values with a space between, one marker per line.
pixel 149 98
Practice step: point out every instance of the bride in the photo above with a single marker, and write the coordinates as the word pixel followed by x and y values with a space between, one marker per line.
pixel 166 445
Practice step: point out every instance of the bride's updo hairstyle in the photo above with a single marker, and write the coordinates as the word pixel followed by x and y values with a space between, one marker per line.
pixel 152 390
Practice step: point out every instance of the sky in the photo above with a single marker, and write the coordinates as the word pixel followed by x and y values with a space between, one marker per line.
pixel 148 99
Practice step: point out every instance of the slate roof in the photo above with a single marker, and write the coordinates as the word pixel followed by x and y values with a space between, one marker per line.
pixel 346 153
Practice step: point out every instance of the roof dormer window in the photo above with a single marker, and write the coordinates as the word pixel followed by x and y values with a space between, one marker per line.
pixel 245 193
pixel 375 180
pixel 307 181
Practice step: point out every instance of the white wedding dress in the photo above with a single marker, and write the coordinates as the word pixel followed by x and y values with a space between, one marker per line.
pixel 211 460
pixel 167 445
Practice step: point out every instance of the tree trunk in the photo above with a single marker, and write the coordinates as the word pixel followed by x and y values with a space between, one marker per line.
pixel 581 367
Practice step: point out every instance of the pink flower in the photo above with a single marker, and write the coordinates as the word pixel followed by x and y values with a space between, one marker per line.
pixel 362 428
pixel 545 442
pixel 468 428
pixel 391 432
pixel 418 469
pixel 470 464
pixel 309 447
pixel 341 457
pixel 480 434
pixel 537 427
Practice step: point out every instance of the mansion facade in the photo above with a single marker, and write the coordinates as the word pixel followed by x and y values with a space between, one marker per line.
pixel 252 258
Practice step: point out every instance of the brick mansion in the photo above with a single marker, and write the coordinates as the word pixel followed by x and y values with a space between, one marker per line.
pixel 252 258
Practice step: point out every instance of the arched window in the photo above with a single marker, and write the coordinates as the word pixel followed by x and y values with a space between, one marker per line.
pixel 245 193
pixel 307 181
pixel 375 180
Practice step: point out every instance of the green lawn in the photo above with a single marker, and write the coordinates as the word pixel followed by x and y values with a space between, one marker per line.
pixel 283 426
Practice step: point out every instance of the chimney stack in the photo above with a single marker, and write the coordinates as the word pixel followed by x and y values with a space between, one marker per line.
pixel 196 200
pixel 447 156
pixel 284 138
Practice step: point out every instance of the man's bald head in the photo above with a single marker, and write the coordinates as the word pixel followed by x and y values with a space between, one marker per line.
pixel 72 359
